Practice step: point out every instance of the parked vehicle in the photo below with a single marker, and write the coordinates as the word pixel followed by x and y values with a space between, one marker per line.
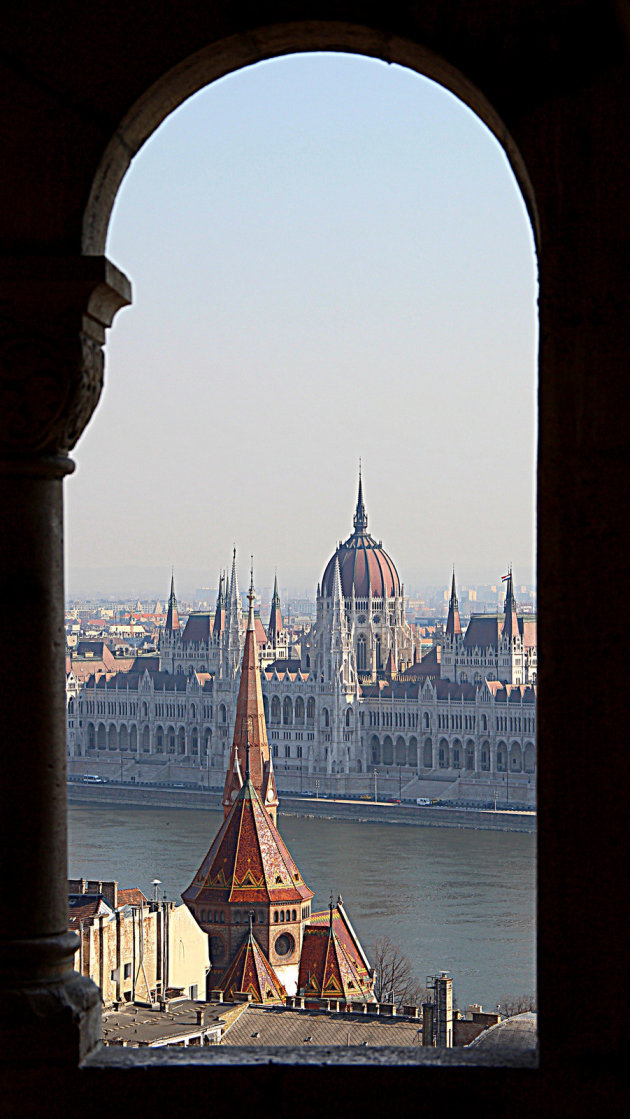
pixel 423 800
pixel 92 779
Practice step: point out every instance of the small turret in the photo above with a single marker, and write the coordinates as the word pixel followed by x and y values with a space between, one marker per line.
pixel 510 622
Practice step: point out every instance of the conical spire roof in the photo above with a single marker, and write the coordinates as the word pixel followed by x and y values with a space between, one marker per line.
pixel 248 862
pixel 453 623
pixel 219 614
pixel 275 617
pixel 360 516
pixel 172 616
pixel 510 623
pixel 250 729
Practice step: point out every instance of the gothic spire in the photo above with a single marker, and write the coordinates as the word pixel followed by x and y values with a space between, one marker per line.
pixel 172 617
pixel 250 747
pixel 219 615
pixel 275 617
pixel 360 515
pixel 453 624
pixel 510 622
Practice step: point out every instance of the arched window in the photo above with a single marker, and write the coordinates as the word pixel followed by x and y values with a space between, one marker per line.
pixel 287 711
pixel 361 654
pixel 275 709
pixel 326 717
pixel 310 709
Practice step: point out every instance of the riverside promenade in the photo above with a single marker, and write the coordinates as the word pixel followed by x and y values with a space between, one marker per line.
pixel 360 811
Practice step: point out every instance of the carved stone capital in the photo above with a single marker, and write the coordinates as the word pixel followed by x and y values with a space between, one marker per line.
pixel 53 317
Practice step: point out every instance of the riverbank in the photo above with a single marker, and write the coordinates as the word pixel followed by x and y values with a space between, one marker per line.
pixel 363 812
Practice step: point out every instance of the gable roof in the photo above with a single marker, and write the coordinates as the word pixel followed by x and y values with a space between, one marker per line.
pixel 251 972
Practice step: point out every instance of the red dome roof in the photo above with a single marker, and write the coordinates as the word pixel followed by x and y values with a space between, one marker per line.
pixel 363 563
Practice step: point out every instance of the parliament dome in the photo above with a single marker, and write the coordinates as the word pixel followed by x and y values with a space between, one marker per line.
pixel 364 565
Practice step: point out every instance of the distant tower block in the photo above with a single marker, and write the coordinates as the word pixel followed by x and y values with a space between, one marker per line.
pixel 444 1011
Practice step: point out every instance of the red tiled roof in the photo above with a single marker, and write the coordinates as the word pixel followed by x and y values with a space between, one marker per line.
pixel 248 861
pixel 251 972
pixel 133 896
pixel 330 965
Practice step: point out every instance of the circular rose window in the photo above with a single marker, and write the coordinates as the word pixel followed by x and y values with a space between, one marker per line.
pixel 284 944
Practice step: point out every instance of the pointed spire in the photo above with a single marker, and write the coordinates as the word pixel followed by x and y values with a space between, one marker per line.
pixel 219 615
pixel 172 617
pixel 510 623
pixel 275 616
pixel 250 747
pixel 360 516
pixel 453 623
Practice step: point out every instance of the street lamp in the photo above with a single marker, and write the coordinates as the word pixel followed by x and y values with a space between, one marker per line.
pixel 375 784
pixel 156 882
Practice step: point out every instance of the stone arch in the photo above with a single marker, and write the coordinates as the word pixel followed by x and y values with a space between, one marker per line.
pixel 427 754
pixel 501 757
pixel 426 720
pixel 444 754
pixel 181 740
pixel 194 741
pixel 91 736
pixel 146 740
pixel 456 754
pixel 71 705
pixel 123 737
pixel 485 756
pixel 412 751
pixel 159 739
pixel 222 713
pixel 375 750
pixel 144 709
pixel 401 751
pixel 361 654
pixel 469 755
pixel 207 741
pixel 275 709
pixel 133 738
pixel 516 758
pixel 298 715
pixel 325 717
pixel 529 758
pixel 310 709
pixel 170 740
pixel 101 737
pixel 287 711
pixel 112 737
pixel 349 717
pixel 388 750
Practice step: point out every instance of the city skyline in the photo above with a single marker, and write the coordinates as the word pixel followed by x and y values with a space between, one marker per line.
pixel 331 261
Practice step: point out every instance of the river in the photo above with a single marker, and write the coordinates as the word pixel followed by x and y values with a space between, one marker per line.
pixel 454 900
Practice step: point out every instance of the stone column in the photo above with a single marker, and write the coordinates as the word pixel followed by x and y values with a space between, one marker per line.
pixel 51 372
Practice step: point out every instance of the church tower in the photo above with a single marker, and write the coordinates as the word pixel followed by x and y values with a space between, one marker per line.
pixel 511 651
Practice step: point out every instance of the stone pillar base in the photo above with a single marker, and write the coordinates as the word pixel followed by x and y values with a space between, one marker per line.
pixel 51 1023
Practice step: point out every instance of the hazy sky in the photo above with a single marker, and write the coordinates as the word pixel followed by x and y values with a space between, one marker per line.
pixel 330 260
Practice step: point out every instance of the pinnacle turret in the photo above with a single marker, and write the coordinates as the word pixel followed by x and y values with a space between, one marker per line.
pixel 510 623
pixel 453 623
pixel 275 616
pixel 172 617
pixel 360 515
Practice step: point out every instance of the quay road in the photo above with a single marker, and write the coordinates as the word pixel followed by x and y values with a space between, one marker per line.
pixel 175 795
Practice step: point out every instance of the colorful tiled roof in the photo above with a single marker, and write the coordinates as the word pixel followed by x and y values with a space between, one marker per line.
pixel 331 965
pixel 250 748
pixel 251 973
pixel 248 861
